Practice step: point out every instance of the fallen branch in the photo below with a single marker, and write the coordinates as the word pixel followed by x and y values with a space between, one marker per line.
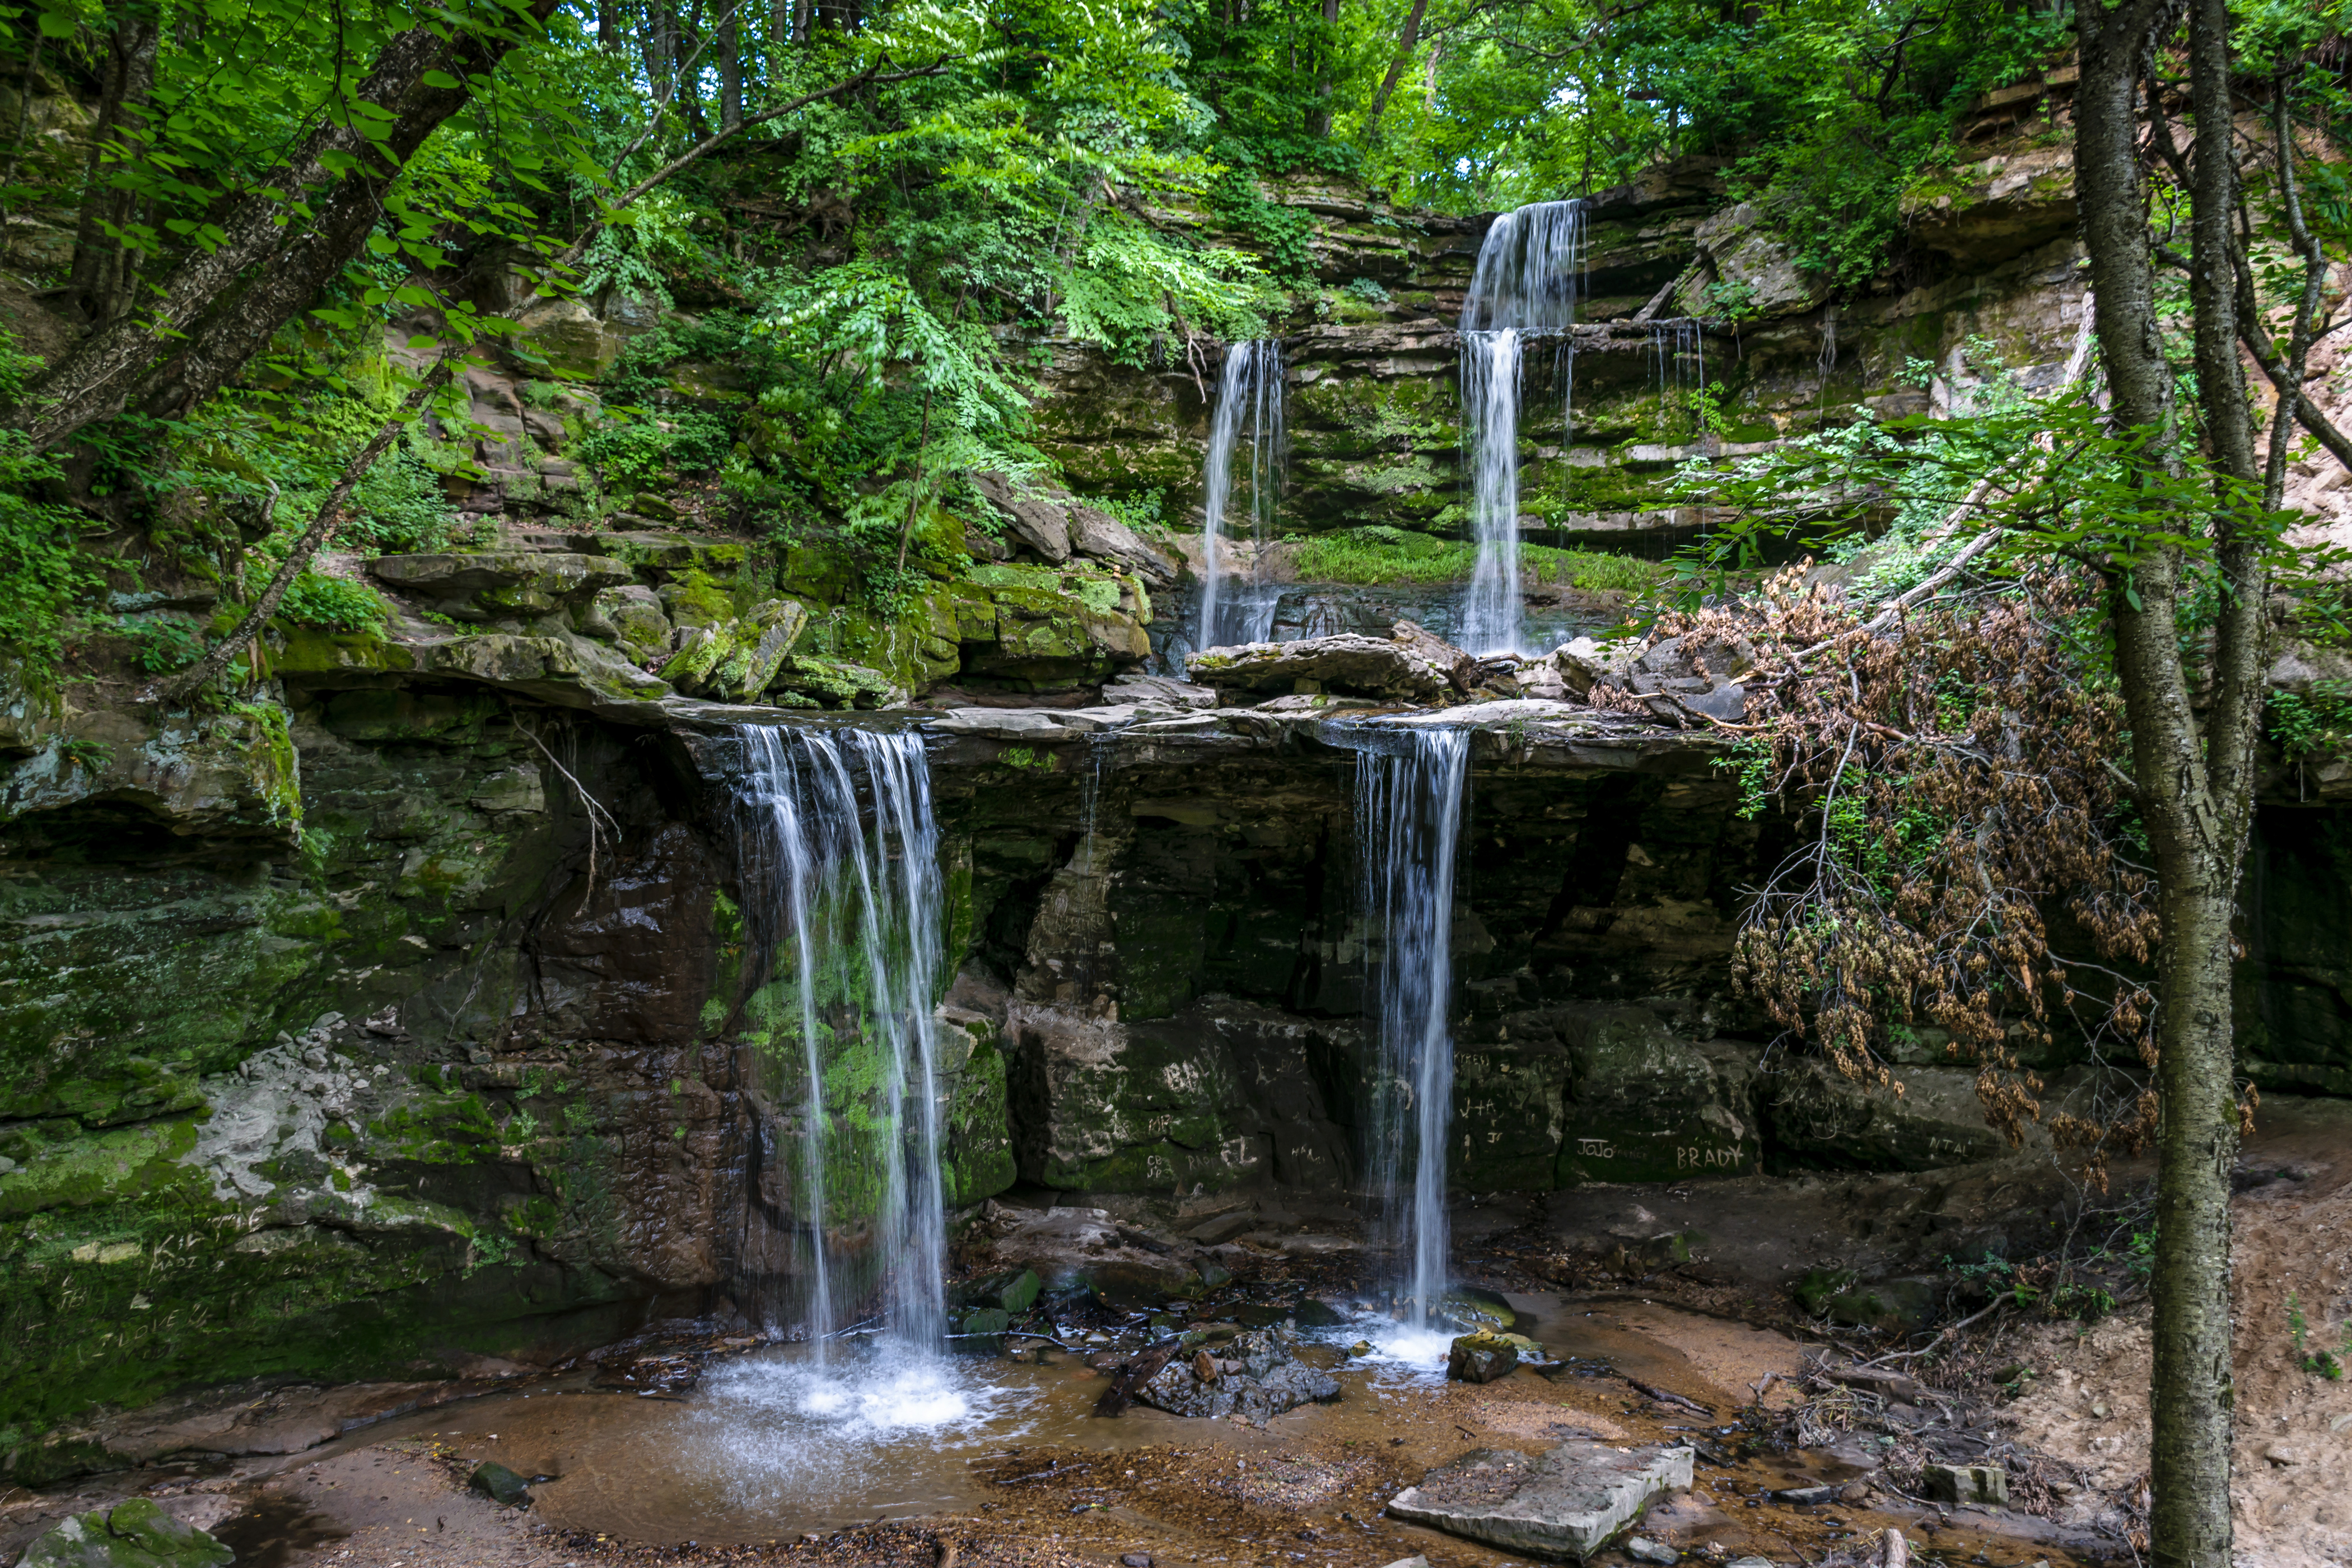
pixel 1939 1339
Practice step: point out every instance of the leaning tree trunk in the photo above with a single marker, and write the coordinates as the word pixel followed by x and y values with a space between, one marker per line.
pixel 277 245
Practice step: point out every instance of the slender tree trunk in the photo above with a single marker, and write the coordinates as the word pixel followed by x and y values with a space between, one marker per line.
pixel 1318 119
pixel 104 268
pixel 608 24
pixel 2195 780
pixel 730 69
pixel 282 242
pixel 1407 41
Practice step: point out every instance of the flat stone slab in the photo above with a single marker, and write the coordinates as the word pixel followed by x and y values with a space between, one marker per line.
pixel 1568 1502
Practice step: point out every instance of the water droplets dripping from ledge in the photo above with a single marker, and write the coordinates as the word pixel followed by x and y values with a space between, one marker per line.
pixel 1244 434
pixel 1530 269
pixel 839 864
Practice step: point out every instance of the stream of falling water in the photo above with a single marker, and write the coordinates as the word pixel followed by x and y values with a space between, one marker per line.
pixel 841 868
pixel 1411 783
pixel 1525 283
pixel 1249 408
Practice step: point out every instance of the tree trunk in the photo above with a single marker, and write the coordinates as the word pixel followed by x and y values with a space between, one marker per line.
pixel 289 255
pixel 1407 41
pixel 608 24
pixel 1318 119
pixel 2195 780
pixel 730 69
pixel 104 268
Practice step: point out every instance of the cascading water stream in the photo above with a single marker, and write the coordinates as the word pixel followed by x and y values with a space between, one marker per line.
pixel 1411 786
pixel 843 849
pixel 1525 283
pixel 1249 409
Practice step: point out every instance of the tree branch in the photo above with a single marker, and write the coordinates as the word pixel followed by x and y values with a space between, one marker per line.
pixel 314 538
pixel 872 74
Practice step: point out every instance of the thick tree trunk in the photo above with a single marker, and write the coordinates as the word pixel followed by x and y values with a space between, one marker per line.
pixel 199 310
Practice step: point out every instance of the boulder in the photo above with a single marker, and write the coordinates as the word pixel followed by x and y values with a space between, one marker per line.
pixel 634 613
pixel 1034 521
pixel 1158 691
pixel 1102 537
pixel 1255 1375
pixel 500 1485
pixel 1007 1290
pixel 499 585
pixel 1481 1358
pixel 737 659
pixel 1567 1502
pixel 1741 248
pixel 135 1533
pixel 1986 1484
pixel 1815 1112
pixel 1409 664
pixel 1054 525
pixel 834 683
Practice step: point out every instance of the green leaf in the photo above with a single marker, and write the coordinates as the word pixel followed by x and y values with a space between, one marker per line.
pixel 443 80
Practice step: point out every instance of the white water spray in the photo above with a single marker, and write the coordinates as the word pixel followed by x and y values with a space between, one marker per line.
pixel 1410 785
pixel 1525 283
pixel 841 848
pixel 1249 409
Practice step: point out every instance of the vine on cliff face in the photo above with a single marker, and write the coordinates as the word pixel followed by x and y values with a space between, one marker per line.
pixel 1959 790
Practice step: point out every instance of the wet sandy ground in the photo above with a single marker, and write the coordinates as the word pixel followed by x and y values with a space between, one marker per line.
pixel 1037 1482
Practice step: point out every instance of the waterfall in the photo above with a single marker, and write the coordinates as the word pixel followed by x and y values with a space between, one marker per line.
pixel 840 864
pixel 1249 404
pixel 1411 787
pixel 1678 369
pixel 1524 283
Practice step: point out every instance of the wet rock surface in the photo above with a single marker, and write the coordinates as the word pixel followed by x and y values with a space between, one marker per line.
pixel 1565 1502
pixel 1254 1377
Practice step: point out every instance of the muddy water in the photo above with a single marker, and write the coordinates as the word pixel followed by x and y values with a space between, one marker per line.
pixel 771 1447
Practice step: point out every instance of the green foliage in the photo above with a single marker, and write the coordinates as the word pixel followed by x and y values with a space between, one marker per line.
pixel 159 643
pixel 45 577
pixel 332 604
pixel 631 454
pixel 2312 723
pixel 1380 554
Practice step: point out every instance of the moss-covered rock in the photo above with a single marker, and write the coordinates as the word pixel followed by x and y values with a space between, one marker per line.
pixel 135 1534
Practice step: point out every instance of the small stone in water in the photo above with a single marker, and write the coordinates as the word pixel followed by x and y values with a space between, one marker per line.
pixel 1135 1560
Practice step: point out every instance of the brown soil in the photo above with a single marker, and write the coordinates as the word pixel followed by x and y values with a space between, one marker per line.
pixel 2293 1461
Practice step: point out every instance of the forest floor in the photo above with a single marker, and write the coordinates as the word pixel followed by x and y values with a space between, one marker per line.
pixel 643 1479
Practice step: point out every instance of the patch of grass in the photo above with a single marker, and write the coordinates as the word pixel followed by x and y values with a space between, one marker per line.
pixel 1382 555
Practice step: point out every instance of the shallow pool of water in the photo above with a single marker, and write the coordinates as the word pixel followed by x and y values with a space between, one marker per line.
pixel 775 1444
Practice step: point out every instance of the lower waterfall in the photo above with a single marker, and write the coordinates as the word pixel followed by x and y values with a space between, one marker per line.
pixel 842 896
pixel 1412 784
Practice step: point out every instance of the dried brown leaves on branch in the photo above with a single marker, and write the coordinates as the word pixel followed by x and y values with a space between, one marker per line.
pixel 1955 781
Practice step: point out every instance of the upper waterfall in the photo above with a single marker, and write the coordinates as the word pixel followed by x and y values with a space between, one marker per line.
pixel 1526 282
pixel 1249 407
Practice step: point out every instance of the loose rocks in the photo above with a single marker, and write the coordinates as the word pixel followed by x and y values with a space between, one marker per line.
pixel 1256 1376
